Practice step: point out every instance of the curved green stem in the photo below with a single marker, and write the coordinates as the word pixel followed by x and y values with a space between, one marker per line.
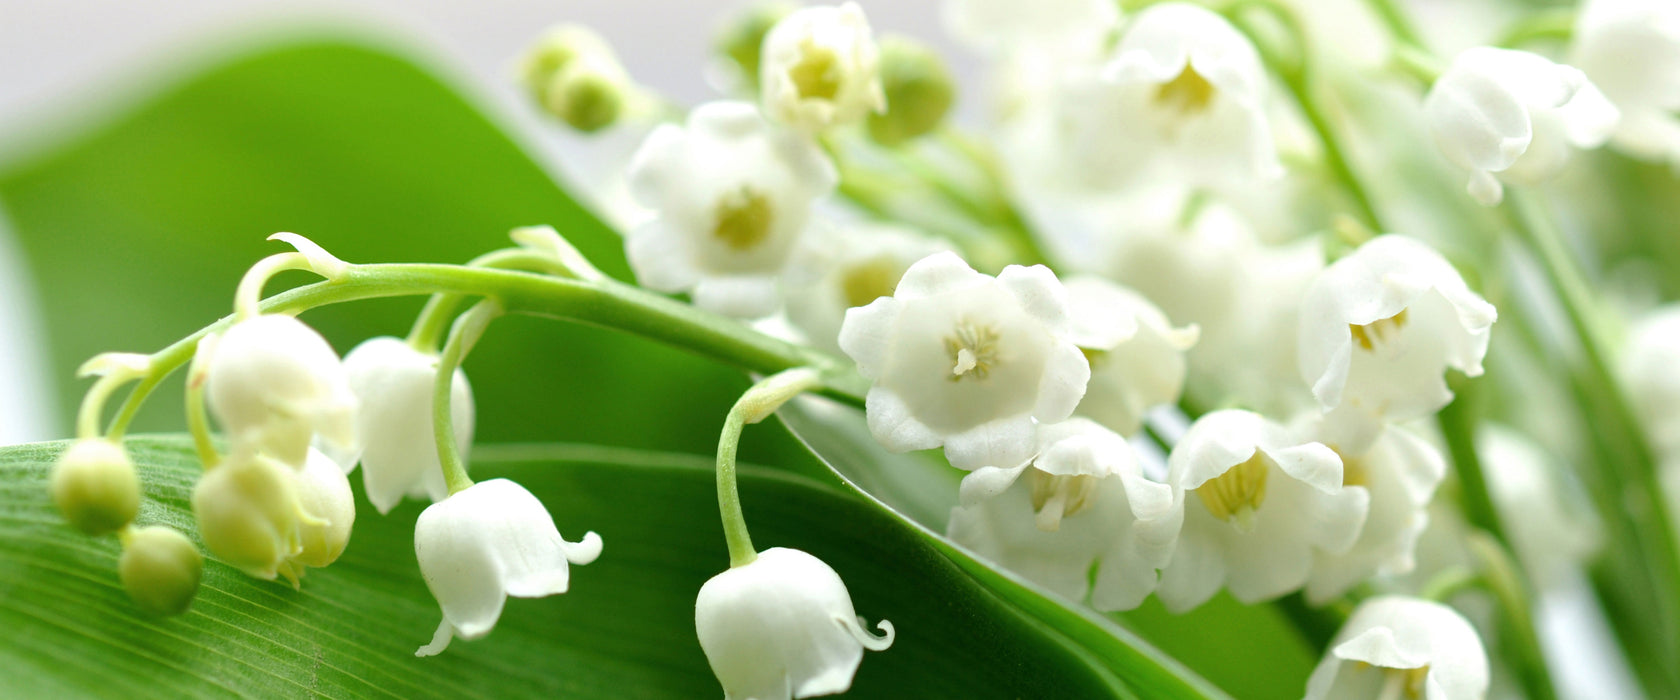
pixel 1396 22
pixel 198 424
pixel 465 333
pixel 434 317
pixel 759 401
pixel 93 404
pixel 1551 25
pixel 249 292
pixel 1457 421
pixel 1505 580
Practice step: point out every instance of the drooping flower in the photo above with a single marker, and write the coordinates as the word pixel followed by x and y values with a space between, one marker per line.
pixel 1630 49
pixel 1379 328
pixel 1136 355
pixel 1650 369
pixel 968 361
pixel 324 495
pixel 820 68
pixel 1083 502
pixel 732 196
pixel 1552 531
pixel 782 627
pixel 248 513
pixel 1258 504
pixel 398 450
pixel 854 266
pixel 1400 472
pixel 1513 114
pixel 1394 646
pixel 485 543
pixel 275 383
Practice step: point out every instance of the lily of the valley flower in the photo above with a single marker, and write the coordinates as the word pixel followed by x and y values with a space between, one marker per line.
pixel 274 383
pixel 1379 328
pixel 1136 355
pixel 1630 49
pixel 393 381
pixel 324 495
pixel 732 197
pixel 485 543
pixel 968 361
pixel 1258 505
pixel 1651 371
pixel 782 627
pixel 1083 500
pixel 1400 472
pixel 249 515
pixel 1513 114
pixel 1394 646
pixel 854 266
pixel 820 68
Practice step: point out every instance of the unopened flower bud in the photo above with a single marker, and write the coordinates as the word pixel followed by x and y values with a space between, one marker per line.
pixel 160 568
pixel 820 69
pixel 95 487
pixel 324 493
pixel 742 40
pixel 588 95
pixel 248 512
pixel 919 92
pixel 554 52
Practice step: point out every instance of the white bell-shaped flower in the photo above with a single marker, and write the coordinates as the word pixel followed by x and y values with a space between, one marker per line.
pixel 1136 355
pixel 1005 25
pixel 1083 501
pixel 968 361
pixel 732 196
pixel 1379 328
pixel 488 542
pixel 1513 116
pixel 1183 99
pixel 1630 49
pixel 249 514
pixel 1400 471
pixel 398 450
pixel 1394 646
pixel 1258 504
pixel 1651 372
pixel 1552 528
pixel 852 267
pixel 820 68
pixel 782 627
pixel 275 383
pixel 324 494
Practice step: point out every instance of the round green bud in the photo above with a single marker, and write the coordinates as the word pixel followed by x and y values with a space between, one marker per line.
pixel 919 92
pixel 160 568
pixel 585 98
pixel 742 39
pixel 554 51
pixel 94 485
pixel 249 515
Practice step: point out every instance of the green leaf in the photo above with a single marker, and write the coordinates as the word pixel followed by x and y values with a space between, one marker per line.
pixel 137 233
pixel 624 630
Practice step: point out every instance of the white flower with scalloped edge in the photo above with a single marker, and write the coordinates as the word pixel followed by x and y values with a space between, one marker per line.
pixel 820 68
pixel 1380 327
pixel 1082 501
pixel 485 543
pixel 1258 504
pixel 1630 49
pixel 1513 116
pixel 782 627
pixel 274 383
pixel 1394 646
pixel 732 197
pixel 1136 355
pixel 398 450
pixel 967 361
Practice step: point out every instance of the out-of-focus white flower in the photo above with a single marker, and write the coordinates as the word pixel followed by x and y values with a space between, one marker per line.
pixel 393 381
pixel 1400 471
pixel 732 197
pixel 248 513
pixel 1004 25
pixel 1651 372
pixel 820 68
pixel 275 383
pixel 1516 114
pixel 485 543
pixel 1181 99
pixel 1379 327
pixel 968 361
pixel 1393 646
pixel 782 627
pixel 1630 49
pixel 1258 504
pixel 1083 500
pixel 1136 355
pixel 852 267
pixel 324 494
pixel 1551 532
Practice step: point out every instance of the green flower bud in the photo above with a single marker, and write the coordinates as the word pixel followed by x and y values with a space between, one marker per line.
pixel 742 40
pixel 160 568
pixel 556 50
pixel 587 95
pixel 248 513
pixel 324 493
pixel 95 487
pixel 919 92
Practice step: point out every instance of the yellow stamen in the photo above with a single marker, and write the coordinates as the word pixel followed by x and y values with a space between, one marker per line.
pixel 973 351
pixel 1189 93
pixel 817 74
pixel 868 281
pixel 1235 495
pixel 1379 331
pixel 743 218
pixel 1055 497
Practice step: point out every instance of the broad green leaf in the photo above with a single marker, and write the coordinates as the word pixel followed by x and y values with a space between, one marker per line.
pixel 137 233
pixel 625 630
